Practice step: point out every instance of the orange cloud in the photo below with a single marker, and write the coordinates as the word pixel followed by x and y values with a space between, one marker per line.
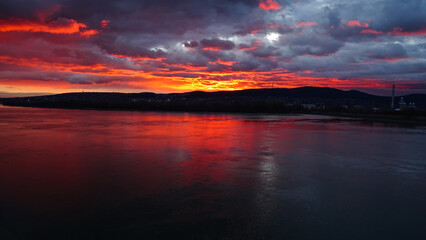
pixel 212 48
pixel 189 67
pixel 269 5
pixel 223 62
pixel 59 26
pixel 185 77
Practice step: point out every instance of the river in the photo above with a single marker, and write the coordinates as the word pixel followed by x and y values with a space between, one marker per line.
pixel 87 174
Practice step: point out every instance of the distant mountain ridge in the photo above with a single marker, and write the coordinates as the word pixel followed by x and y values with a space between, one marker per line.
pixel 318 96
pixel 322 92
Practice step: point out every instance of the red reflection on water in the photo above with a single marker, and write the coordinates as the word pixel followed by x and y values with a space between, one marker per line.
pixel 81 172
pixel 69 157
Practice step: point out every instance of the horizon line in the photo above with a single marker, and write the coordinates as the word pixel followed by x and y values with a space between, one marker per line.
pixel 41 94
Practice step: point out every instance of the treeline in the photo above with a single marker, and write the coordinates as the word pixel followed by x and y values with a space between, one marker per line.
pixel 297 100
pixel 234 105
pixel 216 105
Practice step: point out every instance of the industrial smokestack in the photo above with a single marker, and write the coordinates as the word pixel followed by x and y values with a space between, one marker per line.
pixel 393 97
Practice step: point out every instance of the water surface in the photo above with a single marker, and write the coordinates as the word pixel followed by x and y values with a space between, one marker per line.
pixel 86 174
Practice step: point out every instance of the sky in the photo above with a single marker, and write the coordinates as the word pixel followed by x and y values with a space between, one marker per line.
pixel 166 46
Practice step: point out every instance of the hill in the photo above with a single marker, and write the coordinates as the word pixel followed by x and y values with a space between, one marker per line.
pixel 252 100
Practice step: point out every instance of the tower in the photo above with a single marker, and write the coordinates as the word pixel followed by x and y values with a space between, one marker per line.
pixel 393 97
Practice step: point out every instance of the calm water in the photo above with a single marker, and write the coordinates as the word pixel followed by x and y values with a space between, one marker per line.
pixel 83 174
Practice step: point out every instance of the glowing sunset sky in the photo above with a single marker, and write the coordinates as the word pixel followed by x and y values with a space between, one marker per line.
pixel 49 46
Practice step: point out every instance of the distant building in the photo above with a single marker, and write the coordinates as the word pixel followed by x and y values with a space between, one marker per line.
pixel 412 105
pixel 402 103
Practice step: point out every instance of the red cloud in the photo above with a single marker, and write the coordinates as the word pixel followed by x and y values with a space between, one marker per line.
pixel 371 31
pixel 59 26
pixel 396 31
pixel 212 48
pixel 353 23
pixel 303 23
pixel 104 23
pixel 255 31
pixel 269 5
pixel 274 25
pixel 393 59
pixel 399 31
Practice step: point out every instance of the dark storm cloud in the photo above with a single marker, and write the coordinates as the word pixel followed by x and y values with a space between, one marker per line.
pixel 217 44
pixel 408 15
pixel 345 39
pixel 283 29
pixel 313 43
pixel 135 13
pixel 245 66
pixel 387 51
pixel 125 48
pixel 333 17
pixel 243 46
pixel 264 51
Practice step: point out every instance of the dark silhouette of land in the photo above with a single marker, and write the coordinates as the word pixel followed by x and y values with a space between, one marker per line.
pixel 297 100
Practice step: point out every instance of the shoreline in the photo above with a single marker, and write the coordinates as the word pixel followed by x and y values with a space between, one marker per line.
pixel 406 120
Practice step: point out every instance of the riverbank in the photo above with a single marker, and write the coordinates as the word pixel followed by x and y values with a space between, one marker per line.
pixel 392 118
pixel 306 100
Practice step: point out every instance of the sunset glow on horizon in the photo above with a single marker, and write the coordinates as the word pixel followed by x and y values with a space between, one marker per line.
pixel 179 46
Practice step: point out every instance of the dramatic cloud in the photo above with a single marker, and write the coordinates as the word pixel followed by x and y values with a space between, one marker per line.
pixel 59 26
pixel 55 46
pixel 217 44
pixel 269 5
pixel 353 23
